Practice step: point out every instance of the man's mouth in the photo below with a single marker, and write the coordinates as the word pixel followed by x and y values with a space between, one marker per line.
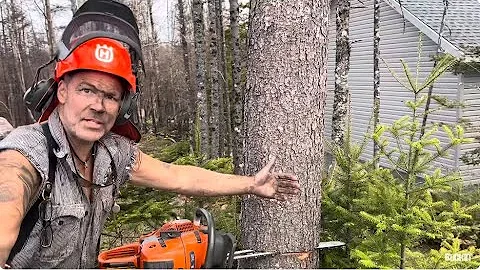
pixel 93 121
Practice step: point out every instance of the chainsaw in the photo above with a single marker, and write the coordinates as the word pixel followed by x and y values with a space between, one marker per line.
pixel 184 244
pixel 177 244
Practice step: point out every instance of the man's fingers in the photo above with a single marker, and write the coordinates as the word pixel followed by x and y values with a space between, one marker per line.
pixel 280 197
pixel 287 190
pixel 288 185
pixel 286 176
pixel 269 165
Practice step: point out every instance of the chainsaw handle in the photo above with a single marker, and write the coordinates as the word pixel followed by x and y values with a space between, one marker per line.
pixel 211 235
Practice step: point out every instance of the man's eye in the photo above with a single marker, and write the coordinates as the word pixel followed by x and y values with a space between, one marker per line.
pixel 86 90
pixel 112 97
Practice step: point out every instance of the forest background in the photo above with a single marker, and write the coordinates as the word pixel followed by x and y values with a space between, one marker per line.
pixel 228 85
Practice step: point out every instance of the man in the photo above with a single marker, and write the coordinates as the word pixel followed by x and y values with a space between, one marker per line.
pixel 96 79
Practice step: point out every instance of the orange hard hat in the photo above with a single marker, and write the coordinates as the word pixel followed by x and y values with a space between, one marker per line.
pixel 105 55
pixel 99 54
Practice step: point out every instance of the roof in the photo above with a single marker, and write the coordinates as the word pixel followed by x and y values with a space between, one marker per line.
pixel 462 21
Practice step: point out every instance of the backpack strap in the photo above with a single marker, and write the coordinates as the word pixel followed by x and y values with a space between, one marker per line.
pixel 32 215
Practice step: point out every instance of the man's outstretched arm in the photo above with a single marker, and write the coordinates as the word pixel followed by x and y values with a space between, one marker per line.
pixel 190 180
pixel 19 182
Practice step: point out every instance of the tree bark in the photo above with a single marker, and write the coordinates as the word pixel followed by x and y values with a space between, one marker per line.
pixel 199 36
pixel 49 25
pixel 285 102
pixel 15 95
pixel 73 6
pixel 188 79
pixel 341 97
pixel 214 76
pixel 237 89
pixel 224 116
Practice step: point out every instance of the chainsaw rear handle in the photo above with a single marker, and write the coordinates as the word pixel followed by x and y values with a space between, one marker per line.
pixel 209 258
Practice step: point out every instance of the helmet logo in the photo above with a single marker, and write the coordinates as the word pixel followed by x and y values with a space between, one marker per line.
pixel 104 53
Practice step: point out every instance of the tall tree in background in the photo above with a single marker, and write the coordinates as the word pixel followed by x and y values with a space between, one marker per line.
pixel 49 26
pixel 73 6
pixel 224 115
pixel 186 66
pixel 214 82
pixel 199 36
pixel 237 90
pixel 285 101
pixel 155 92
pixel 17 42
pixel 341 98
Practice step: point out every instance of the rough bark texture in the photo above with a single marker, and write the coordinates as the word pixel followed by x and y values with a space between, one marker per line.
pixel 199 35
pixel 237 89
pixel 15 96
pixel 214 76
pixel 223 116
pixel 341 97
pixel 284 111
pixel 186 66
pixel 376 70
pixel 48 22
pixel 73 6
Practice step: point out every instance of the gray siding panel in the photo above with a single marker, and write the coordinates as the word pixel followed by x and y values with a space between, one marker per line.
pixel 471 113
pixel 361 66
pixel 396 43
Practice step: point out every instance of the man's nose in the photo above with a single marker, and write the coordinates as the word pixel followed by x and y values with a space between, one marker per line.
pixel 97 102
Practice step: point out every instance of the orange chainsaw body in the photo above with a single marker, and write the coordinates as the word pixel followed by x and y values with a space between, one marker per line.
pixel 177 244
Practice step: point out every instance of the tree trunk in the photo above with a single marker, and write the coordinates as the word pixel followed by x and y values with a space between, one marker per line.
pixel 285 102
pixel 224 115
pixel 341 97
pixel 73 6
pixel 199 35
pixel 16 95
pixel 49 25
pixel 153 114
pixel 215 87
pixel 237 89
pixel 188 79
pixel 376 72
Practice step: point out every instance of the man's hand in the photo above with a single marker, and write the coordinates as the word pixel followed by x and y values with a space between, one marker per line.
pixel 274 185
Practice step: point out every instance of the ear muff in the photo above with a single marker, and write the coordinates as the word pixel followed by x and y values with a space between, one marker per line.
pixel 128 107
pixel 38 97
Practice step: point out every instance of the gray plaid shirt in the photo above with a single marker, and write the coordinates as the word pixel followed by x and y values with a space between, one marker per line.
pixel 75 221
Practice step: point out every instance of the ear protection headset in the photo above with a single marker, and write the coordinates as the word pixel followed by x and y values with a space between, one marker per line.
pixel 128 107
pixel 38 98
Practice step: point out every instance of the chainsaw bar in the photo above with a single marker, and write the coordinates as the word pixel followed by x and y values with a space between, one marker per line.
pixel 249 253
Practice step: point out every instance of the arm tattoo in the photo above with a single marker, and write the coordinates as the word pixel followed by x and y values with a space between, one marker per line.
pixel 166 165
pixel 8 192
pixel 29 185
pixel 138 160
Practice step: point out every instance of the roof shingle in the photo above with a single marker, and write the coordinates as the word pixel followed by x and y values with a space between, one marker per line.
pixel 462 21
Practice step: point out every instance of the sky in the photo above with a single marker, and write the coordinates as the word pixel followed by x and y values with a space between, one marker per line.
pixel 162 12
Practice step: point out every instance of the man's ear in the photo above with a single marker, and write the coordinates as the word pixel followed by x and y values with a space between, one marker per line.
pixel 62 92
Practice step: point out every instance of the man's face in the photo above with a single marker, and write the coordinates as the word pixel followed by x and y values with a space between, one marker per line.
pixel 89 104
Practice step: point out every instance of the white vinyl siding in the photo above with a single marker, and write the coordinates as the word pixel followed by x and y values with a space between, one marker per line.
pixel 396 42
pixel 401 43
pixel 471 113
pixel 360 78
